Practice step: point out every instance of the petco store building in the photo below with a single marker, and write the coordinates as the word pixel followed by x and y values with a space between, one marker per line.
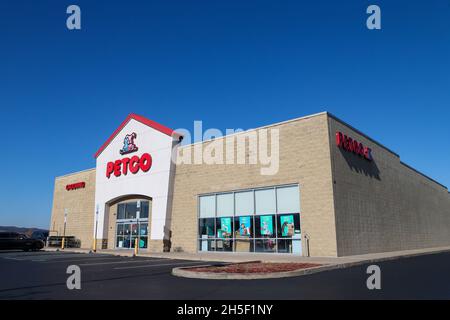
pixel 308 186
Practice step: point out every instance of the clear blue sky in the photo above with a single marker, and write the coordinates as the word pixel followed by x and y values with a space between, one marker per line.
pixel 232 64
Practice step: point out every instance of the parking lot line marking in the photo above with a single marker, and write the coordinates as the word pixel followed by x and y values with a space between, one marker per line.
pixel 16 255
pixel 118 262
pixel 28 255
pixel 46 258
pixel 73 260
pixel 162 264
pixel 32 253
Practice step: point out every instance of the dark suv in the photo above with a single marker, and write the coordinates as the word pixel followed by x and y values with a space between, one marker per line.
pixel 40 235
pixel 18 241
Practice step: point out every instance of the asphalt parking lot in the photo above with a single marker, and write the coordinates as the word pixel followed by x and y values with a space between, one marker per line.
pixel 42 275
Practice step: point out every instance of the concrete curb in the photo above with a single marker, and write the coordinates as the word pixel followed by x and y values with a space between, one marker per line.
pixel 182 271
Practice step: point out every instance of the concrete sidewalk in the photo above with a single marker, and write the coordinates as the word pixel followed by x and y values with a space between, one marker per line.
pixel 270 257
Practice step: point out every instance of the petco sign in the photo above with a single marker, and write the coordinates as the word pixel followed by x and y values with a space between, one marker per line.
pixel 133 164
pixel 75 186
pixel 351 145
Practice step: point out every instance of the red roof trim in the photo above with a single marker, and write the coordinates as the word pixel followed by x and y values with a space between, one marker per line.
pixel 141 119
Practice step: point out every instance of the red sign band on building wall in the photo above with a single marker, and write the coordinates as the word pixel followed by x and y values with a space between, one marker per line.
pixel 133 165
pixel 351 145
pixel 74 186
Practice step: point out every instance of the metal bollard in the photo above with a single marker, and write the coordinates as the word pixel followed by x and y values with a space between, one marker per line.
pixel 136 248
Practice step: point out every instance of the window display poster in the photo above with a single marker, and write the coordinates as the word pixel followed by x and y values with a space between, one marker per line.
pixel 287 225
pixel 244 226
pixel 210 230
pixel 266 226
pixel 225 228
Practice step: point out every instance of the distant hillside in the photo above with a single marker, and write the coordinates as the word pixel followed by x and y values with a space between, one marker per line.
pixel 27 231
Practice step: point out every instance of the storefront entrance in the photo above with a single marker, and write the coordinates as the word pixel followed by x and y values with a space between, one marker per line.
pixel 126 234
pixel 132 224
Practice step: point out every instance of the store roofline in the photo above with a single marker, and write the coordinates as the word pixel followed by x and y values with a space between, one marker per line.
pixel 74 173
pixel 333 117
pixel 298 119
pixel 423 174
pixel 257 128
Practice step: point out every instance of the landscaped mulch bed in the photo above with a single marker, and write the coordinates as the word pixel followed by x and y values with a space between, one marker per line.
pixel 255 267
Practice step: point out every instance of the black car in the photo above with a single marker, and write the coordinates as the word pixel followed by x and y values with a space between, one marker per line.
pixel 40 235
pixel 18 241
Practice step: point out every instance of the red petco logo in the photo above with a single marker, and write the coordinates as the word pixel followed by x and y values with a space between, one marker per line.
pixel 351 145
pixel 133 164
pixel 125 165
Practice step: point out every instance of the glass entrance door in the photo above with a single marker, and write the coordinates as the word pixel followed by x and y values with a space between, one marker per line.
pixel 143 235
pixel 123 235
pixel 127 232
pixel 132 224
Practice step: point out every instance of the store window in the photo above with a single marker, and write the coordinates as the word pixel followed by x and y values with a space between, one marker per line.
pixel 288 200
pixel 144 212
pixel 208 206
pixel 265 201
pixel 244 233
pixel 254 220
pixel 225 205
pixel 207 223
pixel 121 211
pixel 224 222
pixel 224 234
pixel 289 239
pixel 244 203
pixel 131 210
pixel 143 235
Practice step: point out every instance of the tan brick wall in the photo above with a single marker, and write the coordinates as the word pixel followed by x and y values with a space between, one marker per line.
pixel 384 205
pixel 80 205
pixel 156 246
pixel 304 159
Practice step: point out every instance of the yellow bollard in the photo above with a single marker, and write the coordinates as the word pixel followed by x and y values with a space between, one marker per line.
pixel 136 248
pixel 62 243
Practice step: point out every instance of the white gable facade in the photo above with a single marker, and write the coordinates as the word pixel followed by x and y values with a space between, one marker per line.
pixel 147 172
